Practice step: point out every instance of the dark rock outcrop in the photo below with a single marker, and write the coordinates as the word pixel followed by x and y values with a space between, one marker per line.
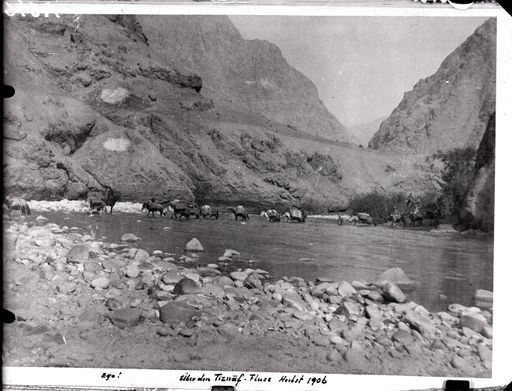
pixel 478 210
pixel 450 108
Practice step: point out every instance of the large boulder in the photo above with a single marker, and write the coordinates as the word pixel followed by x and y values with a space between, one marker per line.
pixel 397 276
pixel 194 245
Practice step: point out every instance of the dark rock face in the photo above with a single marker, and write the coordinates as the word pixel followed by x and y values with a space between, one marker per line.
pixel 450 108
pixel 478 211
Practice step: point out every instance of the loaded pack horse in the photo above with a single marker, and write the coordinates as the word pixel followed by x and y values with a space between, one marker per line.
pixel 207 212
pixel 239 211
pixel 298 215
pixel 17 203
pixel 153 206
pixel 181 208
pixel 97 205
pixel 362 217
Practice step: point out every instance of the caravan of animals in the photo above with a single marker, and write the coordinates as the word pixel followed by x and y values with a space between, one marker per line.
pixel 207 216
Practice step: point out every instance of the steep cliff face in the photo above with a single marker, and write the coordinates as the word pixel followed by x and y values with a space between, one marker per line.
pixel 252 74
pixel 179 109
pixel 450 108
pixel 478 211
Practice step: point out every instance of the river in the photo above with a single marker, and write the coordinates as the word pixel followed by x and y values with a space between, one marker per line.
pixel 447 267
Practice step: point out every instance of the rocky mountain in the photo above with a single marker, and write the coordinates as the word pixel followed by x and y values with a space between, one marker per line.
pixel 176 107
pixel 478 210
pixel 450 108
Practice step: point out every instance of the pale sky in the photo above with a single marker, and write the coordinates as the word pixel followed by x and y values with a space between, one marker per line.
pixel 361 65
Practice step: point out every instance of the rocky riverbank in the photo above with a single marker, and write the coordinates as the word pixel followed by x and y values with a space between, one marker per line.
pixel 75 296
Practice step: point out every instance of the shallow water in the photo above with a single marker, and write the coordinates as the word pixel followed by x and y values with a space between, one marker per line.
pixel 448 267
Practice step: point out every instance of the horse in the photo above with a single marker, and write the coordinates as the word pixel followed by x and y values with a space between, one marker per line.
pixel 97 205
pixel 16 203
pixel 182 209
pixel 273 216
pixel 298 215
pixel 207 212
pixel 395 218
pixel 416 217
pixel 239 211
pixel 153 207
pixel 111 198
pixel 362 217
pixel 264 215
pixel 342 219
pixel 286 216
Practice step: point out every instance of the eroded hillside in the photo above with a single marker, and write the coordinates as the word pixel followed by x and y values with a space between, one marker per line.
pixel 170 107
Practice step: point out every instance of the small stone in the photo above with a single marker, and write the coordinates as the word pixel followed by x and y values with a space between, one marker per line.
pixel 66 288
pixel 194 245
pixel 112 304
pixel 392 292
pixel 320 340
pixel 484 353
pixel 89 319
pixel 277 297
pixel 238 276
pixel 253 281
pixel 208 272
pixel 100 282
pixel 78 254
pixel 352 334
pixel 334 356
pixel 187 333
pixel 473 321
pixel 355 356
pixel 176 312
pixel 487 332
pixel 132 271
pixel 140 255
pixel 129 237
pixel 172 277
pixel 125 317
pixel 345 289
pixel 229 253
pixel 458 363
pixel 403 336
pixel 348 309
pixel 294 301
pixel 373 312
pixel 224 281
pixel 375 296
pixel 336 340
pixel 186 286
pixel 421 323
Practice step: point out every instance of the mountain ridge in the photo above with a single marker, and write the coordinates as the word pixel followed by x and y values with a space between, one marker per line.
pixel 451 107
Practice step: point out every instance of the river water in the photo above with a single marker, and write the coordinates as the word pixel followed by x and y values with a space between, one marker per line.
pixel 447 267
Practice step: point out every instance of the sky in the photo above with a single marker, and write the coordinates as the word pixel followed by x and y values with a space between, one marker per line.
pixel 361 65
